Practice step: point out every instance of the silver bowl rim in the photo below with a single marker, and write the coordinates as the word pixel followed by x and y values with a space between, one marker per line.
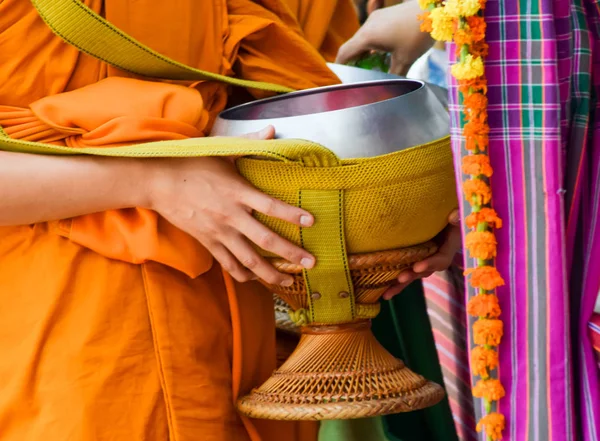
pixel 422 85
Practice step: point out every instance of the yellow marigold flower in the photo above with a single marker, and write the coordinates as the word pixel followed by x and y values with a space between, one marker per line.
pixel 488 332
pixel 467 69
pixel 462 8
pixel 424 4
pixel 443 25
pixel 490 389
pixel 483 360
pixel 493 424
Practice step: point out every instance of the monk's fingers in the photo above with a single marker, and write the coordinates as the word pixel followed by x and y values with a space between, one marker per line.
pixel 444 257
pixel 452 241
pixel 254 262
pixel 258 201
pixel 229 263
pixel 437 262
pixel 269 241
pixel 407 276
pixel 266 133
pixel 394 291
pixel 454 218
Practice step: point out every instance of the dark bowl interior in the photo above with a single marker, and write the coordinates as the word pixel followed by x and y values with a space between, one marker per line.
pixel 321 100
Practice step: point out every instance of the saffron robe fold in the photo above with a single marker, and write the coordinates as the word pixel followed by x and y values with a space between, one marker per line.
pixel 117 326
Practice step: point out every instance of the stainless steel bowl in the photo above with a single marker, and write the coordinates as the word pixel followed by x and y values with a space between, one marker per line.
pixel 353 120
pixel 351 74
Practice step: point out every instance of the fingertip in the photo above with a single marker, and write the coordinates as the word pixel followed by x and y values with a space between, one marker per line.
pixel 307 262
pixel 268 132
pixel 403 277
pixel 454 218
pixel 306 220
pixel 420 267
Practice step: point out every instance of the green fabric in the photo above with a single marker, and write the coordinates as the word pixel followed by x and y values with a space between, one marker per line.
pixel 368 429
pixel 403 328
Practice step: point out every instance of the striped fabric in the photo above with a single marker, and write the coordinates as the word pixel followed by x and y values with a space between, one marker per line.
pixel 594 326
pixel 545 148
pixel 444 293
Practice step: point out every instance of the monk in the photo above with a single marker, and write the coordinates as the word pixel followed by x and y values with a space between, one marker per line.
pixel 326 24
pixel 124 316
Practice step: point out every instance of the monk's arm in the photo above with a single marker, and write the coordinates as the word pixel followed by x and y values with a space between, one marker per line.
pixel 36 188
pixel 205 197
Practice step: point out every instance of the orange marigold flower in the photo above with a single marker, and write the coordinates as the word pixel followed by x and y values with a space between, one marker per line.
pixel 477 143
pixel 479 49
pixel 477 191
pixel 487 215
pixel 479 118
pixel 484 305
pixel 461 38
pixel 476 132
pixel 426 23
pixel 475 100
pixel 476 128
pixel 490 389
pixel 482 4
pixel 483 360
pixel 477 27
pixel 474 85
pixel 493 424
pixel 477 165
pixel 481 244
pixel 485 277
pixel 488 332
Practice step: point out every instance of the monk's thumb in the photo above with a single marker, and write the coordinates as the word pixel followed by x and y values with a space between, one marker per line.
pixel 454 218
pixel 266 133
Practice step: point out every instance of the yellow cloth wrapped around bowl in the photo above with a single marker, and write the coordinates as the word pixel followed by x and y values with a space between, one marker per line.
pixel 390 201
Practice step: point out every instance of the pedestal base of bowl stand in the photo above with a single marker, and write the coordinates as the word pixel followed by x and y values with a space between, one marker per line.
pixel 339 372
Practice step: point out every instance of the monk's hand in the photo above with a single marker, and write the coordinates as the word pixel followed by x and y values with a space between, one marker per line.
pixel 396 30
pixel 450 240
pixel 208 199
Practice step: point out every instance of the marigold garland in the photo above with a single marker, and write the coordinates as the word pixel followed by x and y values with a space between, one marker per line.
pixel 463 22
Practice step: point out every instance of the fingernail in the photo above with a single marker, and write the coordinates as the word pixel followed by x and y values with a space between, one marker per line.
pixel 305 221
pixel 403 278
pixel 287 282
pixel 455 218
pixel 307 263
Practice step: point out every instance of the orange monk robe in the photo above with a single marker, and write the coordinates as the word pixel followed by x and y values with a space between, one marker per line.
pixel 117 326
pixel 326 24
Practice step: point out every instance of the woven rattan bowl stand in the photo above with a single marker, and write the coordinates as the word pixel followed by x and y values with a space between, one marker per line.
pixel 341 371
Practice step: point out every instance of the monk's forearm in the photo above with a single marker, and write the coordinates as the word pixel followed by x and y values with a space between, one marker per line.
pixel 37 188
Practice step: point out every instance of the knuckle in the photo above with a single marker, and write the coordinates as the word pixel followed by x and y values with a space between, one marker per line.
pixel 273 277
pixel 270 206
pixel 250 262
pixel 292 254
pixel 266 240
